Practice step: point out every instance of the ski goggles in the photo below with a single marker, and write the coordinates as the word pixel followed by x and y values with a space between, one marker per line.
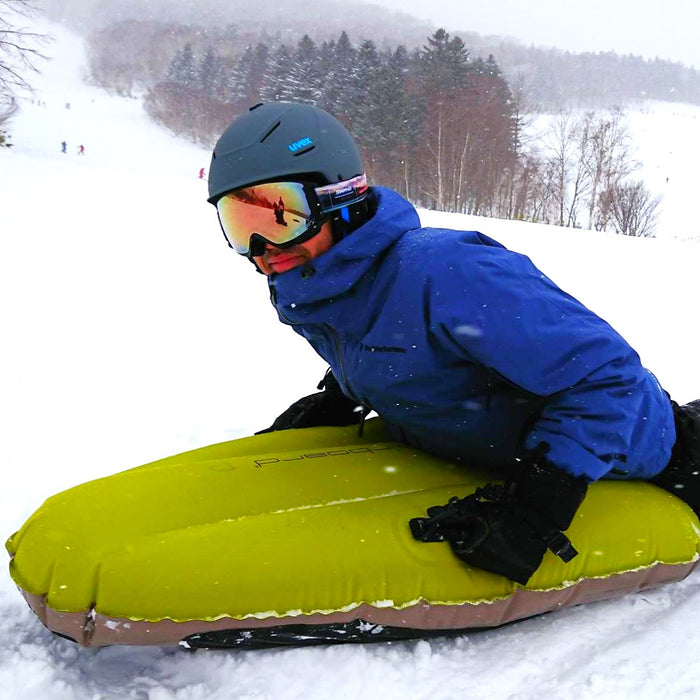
pixel 282 213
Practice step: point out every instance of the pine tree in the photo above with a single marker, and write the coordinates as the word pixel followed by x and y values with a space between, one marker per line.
pixel 174 68
pixel 182 69
pixel 240 86
pixel 326 68
pixel 444 63
pixel 210 77
pixel 304 82
pixel 248 80
pixel 273 84
pixel 362 94
pixel 261 60
pixel 337 86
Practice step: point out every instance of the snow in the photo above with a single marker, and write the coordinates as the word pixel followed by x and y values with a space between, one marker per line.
pixel 130 332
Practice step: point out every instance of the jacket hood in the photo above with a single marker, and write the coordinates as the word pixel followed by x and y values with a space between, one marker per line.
pixel 338 270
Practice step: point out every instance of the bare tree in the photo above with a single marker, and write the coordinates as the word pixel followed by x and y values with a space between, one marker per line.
pixel 8 106
pixel 19 47
pixel 585 161
pixel 517 178
pixel 607 156
pixel 560 147
pixel 632 211
pixel 519 194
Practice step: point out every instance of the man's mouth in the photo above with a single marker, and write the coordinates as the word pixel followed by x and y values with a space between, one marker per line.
pixel 278 258
pixel 282 260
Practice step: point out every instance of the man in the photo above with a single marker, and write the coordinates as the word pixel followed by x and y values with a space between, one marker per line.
pixel 463 348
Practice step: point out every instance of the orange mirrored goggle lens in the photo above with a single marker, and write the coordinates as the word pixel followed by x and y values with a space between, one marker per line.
pixel 279 212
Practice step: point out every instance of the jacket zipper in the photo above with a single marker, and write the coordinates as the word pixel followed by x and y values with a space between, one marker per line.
pixel 366 408
pixel 331 330
pixel 339 354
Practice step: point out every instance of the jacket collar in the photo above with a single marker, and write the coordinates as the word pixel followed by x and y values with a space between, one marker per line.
pixel 338 270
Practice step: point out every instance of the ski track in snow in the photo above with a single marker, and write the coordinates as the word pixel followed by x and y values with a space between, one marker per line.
pixel 131 333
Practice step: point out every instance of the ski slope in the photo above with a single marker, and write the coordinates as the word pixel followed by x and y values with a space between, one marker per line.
pixel 130 332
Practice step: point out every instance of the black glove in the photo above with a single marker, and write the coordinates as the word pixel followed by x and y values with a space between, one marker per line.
pixel 327 407
pixel 507 529
pixel 681 476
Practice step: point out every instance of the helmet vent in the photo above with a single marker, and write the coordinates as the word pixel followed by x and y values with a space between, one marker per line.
pixel 305 150
pixel 269 131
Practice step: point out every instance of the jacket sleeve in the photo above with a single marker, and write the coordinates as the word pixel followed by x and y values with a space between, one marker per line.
pixel 502 312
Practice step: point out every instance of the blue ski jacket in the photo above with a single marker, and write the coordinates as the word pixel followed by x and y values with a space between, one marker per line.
pixel 466 350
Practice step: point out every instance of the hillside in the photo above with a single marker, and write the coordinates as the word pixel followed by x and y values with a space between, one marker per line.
pixel 552 79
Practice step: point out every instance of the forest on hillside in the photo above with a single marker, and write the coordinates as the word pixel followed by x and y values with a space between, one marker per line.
pixel 551 79
pixel 437 120
pixel 441 127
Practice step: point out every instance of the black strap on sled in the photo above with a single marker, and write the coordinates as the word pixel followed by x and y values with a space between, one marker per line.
pixel 460 516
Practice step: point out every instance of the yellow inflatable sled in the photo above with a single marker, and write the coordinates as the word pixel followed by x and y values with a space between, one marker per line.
pixel 302 537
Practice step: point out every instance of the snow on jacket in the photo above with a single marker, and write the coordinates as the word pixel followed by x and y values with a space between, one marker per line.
pixel 466 350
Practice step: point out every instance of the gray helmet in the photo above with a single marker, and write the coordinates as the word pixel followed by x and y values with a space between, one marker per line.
pixel 282 140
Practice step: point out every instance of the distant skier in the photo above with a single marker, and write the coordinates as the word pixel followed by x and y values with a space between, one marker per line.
pixel 201 173
pixel 64 147
pixel 278 208
pixel 81 150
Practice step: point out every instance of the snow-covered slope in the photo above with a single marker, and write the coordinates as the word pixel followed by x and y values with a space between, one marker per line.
pixel 130 331
pixel 667 142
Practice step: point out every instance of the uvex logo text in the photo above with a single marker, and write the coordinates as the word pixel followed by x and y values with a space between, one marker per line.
pixel 301 143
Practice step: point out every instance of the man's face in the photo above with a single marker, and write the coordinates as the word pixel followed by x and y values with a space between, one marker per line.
pixel 280 260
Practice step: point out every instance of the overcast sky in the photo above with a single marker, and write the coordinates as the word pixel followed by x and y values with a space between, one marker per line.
pixel 650 28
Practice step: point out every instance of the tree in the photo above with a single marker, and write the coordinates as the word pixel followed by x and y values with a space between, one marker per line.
pixel 273 84
pixel 560 157
pixel 338 66
pixel 249 75
pixel 8 106
pixel 304 81
pixel 19 47
pixel 183 69
pixel 607 156
pixel 240 82
pixel 443 68
pixel 468 134
pixel 397 123
pixel 585 159
pixel 19 52
pixel 632 210
pixel 211 78
pixel 519 178
pixel 444 63
pixel 360 97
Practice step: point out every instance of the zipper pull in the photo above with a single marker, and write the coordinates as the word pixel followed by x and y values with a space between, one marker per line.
pixel 364 412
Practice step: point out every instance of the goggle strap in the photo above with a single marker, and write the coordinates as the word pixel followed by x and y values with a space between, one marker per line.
pixel 340 194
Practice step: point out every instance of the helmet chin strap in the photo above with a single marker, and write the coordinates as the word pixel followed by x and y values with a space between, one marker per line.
pixel 349 218
pixel 340 227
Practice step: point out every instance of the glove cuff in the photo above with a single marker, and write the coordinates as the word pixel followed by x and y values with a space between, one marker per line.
pixel 549 491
